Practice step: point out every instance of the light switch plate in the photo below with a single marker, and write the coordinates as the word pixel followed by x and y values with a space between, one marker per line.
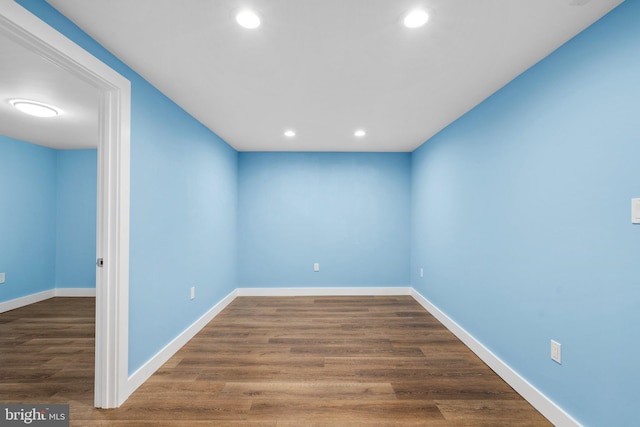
pixel 635 211
pixel 1 277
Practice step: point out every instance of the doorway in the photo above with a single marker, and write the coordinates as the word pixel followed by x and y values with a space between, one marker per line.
pixel 112 279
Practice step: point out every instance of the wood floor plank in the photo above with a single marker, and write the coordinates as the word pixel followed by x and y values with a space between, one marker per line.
pixel 263 361
pixel 345 412
pixel 490 413
pixel 313 390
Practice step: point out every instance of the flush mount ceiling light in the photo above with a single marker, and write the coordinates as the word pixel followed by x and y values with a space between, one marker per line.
pixel 359 133
pixel 416 18
pixel 248 19
pixel 289 133
pixel 35 108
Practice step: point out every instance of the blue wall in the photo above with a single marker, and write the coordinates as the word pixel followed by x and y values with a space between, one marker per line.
pixel 76 199
pixel 183 222
pixel 27 218
pixel 48 227
pixel 521 220
pixel 183 208
pixel 347 211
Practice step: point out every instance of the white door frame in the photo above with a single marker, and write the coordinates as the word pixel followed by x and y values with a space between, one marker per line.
pixel 112 281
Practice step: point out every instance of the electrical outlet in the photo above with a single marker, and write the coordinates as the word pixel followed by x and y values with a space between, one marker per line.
pixel 556 351
pixel 193 292
pixel 421 272
pixel 635 211
pixel 316 267
pixel 2 277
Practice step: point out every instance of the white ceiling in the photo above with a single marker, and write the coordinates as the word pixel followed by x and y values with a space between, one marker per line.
pixel 26 75
pixel 327 67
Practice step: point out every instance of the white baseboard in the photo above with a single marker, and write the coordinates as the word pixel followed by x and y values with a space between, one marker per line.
pixel 26 300
pixel 535 397
pixel 145 371
pixel 75 292
pixel 300 292
pixel 541 402
pixel 41 296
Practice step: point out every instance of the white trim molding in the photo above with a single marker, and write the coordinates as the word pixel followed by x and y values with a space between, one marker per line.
pixel 145 371
pixel 44 295
pixel 26 300
pixel 75 292
pixel 334 291
pixel 112 281
pixel 531 394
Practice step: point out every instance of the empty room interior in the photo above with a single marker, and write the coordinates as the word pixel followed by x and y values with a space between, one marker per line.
pixel 281 212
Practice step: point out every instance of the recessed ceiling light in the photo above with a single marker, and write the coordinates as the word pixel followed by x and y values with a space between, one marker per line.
pixel 248 19
pixel 416 18
pixel 35 108
pixel 359 133
pixel 289 133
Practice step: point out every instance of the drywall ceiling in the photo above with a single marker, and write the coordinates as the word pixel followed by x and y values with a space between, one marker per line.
pixel 325 68
pixel 26 75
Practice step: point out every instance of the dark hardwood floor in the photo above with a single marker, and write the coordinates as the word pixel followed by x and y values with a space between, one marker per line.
pixel 285 361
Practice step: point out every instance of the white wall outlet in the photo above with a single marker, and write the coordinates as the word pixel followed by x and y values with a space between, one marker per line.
pixel 193 292
pixel 421 272
pixel 556 351
pixel 2 277
pixel 316 266
pixel 635 211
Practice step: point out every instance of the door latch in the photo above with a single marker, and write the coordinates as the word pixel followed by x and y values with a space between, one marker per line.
pixel 100 262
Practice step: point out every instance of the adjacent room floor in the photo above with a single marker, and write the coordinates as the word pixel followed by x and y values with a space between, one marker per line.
pixel 270 361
